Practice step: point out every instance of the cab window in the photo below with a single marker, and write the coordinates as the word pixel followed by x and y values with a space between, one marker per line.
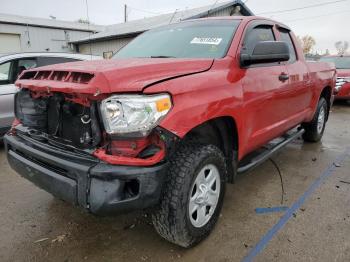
pixel 285 37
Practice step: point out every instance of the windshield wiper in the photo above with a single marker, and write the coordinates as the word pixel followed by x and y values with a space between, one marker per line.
pixel 162 56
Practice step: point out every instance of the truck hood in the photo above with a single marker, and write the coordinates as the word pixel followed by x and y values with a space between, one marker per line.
pixel 343 72
pixel 109 76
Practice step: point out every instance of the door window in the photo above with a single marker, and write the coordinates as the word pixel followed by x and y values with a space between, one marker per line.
pixel 285 37
pixel 258 34
pixel 21 65
pixel 5 72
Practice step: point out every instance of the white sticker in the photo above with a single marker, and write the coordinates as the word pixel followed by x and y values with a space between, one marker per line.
pixel 206 40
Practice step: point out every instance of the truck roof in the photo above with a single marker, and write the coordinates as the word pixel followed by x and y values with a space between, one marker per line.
pixel 245 19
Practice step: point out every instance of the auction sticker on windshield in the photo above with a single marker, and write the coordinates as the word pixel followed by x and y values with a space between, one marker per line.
pixel 206 40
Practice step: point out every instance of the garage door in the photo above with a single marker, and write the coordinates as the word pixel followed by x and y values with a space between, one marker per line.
pixel 9 43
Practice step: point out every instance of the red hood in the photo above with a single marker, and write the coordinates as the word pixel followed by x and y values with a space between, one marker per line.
pixel 110 76
pixel 343 72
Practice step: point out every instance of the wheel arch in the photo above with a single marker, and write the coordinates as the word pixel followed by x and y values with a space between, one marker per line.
pixel 223 133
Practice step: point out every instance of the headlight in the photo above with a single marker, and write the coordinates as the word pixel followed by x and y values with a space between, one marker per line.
pixel 134 114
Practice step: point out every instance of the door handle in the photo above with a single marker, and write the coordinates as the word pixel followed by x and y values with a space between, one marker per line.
pixel 283 77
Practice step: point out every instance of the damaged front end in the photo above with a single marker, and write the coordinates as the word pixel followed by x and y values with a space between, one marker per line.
pixel 72 148
pixel 58 120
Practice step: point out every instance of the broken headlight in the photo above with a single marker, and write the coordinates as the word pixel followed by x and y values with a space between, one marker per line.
pixel 134 115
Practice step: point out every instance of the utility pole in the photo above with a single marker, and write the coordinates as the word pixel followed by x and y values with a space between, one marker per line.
pixel 125 13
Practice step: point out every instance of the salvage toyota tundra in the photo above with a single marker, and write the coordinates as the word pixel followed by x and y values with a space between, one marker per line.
pixel 177 113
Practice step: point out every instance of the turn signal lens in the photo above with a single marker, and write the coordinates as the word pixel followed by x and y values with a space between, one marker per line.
pixel 163 104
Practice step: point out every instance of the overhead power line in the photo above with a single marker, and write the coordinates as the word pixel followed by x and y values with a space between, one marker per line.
pixel 313 17
pixel 302 8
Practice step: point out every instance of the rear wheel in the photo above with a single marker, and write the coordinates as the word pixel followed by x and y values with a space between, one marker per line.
pixel 193 195
pixel 315 129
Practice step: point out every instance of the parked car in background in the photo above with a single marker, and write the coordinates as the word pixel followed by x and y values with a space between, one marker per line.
pixel 12 65
pixel 342 63
pixel 173 116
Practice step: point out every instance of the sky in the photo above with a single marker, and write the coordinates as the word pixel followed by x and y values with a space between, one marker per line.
pixel 327 23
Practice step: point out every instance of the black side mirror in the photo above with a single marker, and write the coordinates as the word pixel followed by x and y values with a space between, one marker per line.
pixel 266 52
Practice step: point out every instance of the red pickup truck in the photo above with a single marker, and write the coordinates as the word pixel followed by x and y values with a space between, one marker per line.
pixel 342 64
pixel 177 113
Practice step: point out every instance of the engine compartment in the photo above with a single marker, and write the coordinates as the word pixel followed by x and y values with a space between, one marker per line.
pixel 59 118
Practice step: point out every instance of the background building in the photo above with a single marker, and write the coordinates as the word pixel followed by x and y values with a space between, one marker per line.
pixel 28 34
pixel 116 36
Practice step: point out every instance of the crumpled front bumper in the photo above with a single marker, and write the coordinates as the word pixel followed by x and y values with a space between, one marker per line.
pixel 84 180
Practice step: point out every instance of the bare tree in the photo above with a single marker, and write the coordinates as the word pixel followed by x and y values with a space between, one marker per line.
pixel 83 21
pixel 307 42
pixel 342 47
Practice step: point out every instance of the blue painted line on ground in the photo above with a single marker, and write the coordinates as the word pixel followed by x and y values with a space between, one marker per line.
pixel 263 210
pixel 296 205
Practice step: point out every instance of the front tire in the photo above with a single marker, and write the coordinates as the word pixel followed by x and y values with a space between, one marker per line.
pixel 314 130
pixel 192 196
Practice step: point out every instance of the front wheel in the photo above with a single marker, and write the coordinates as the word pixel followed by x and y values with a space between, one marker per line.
pixel 193 195
pixel 315 129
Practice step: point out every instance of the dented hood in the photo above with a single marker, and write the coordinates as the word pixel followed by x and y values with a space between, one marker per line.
pixel 109 76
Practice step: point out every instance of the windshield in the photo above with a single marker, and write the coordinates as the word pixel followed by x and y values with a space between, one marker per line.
pixel 192 39
pixel 341 62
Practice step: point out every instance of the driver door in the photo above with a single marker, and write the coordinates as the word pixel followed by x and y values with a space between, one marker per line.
pixel 262 89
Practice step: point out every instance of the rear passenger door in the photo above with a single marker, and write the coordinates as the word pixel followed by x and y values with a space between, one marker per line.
pixel 264 111
pixel 299 92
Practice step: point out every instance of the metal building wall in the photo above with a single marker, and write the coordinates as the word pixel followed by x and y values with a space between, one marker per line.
pixel 98 48
pixel 39 39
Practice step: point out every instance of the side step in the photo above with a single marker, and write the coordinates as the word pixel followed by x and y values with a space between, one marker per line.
pixel 258 157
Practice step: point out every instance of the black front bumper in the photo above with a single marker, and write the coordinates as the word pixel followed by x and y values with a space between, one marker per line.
pixel 82 179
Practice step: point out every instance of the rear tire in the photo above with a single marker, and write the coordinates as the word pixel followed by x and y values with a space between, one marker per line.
pixel 192 196
pixel 314 130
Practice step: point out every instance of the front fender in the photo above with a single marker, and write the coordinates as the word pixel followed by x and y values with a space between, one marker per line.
pixel 200 98
pixel 192 110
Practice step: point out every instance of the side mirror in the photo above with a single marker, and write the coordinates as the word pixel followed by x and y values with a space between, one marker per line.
pixel 266 52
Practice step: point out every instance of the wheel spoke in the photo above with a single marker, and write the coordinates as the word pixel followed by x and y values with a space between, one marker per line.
pixel 211 184
pixel 193 207
pixel 210 177
pixel 212 199
pixel 201 215
pixel 200 178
